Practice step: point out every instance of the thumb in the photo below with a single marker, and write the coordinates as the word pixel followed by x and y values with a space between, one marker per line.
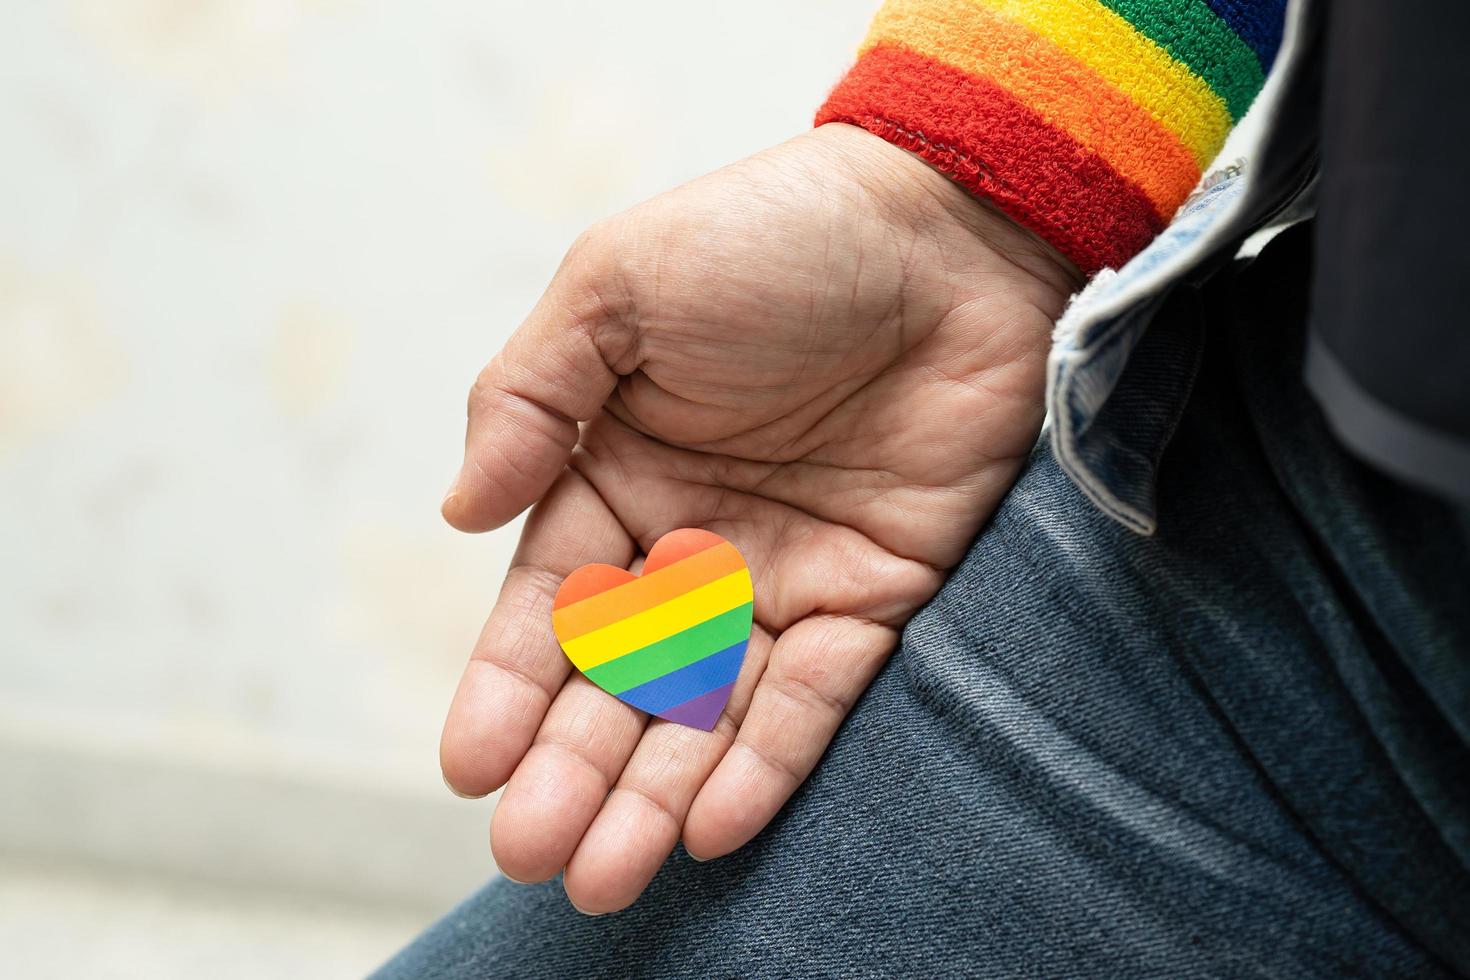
pixel 556 371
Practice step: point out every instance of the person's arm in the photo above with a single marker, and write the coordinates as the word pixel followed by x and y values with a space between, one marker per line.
pixel 1088 121
pixel 830 354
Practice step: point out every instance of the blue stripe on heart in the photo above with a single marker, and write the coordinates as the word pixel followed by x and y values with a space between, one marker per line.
pixel 687 683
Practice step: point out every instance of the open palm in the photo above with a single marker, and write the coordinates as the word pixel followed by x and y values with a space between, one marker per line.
pixel 826 353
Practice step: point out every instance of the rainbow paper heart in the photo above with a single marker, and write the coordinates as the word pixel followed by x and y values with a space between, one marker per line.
pixel 669 641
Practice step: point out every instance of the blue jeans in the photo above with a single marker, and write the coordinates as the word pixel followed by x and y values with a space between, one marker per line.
pixel 1234 748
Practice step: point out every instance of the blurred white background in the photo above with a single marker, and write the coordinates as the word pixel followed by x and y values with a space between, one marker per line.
pixel 252 253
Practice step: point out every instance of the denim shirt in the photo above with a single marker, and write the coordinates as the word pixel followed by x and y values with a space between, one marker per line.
pixel 1116 385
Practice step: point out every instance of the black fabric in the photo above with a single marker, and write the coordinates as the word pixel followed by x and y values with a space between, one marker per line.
pixel 1393 237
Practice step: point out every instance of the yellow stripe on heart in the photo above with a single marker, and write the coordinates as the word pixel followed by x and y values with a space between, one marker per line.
pixel 662 621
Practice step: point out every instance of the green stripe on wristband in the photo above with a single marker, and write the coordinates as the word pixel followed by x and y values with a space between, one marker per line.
pixel 1194 35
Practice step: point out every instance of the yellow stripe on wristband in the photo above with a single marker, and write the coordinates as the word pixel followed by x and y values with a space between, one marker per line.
pixel 1056 86
pixel 1131 63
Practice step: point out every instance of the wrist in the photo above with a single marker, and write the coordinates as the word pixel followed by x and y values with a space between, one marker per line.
pixel 906 183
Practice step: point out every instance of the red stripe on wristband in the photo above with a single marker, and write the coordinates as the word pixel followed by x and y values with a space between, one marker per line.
pixel 984 139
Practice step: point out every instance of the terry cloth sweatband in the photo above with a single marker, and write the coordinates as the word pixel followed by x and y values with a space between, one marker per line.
pixel 1088 121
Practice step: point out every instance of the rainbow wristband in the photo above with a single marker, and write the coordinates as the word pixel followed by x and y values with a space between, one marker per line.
pixel 1088 121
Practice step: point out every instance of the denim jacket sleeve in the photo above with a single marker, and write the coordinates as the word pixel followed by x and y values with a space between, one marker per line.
pixel 1091 122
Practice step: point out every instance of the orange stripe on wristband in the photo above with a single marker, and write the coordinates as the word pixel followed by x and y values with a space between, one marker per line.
pixel 1056 86
pixel 1129 62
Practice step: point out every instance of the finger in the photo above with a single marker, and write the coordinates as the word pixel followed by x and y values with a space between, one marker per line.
pixel 517 667
pixel 581 748
pixel 556 371
pixel 641 820
pixel 817 670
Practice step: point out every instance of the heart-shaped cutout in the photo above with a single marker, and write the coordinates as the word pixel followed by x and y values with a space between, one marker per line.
pixel 669 641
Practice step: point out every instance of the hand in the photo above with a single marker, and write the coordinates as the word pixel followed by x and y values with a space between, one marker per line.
pixel 827 353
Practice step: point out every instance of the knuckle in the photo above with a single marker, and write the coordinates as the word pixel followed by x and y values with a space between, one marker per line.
pixel 776 762
pixel 809 683
pixel 479 393
pixel 598 291
pixel 592 248
pixel 654 802
pixel 810 701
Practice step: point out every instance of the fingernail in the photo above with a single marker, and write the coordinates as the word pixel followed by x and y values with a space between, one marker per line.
pixel 590 915
pixel 463 796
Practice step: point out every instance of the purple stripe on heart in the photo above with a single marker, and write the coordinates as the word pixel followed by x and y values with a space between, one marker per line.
pixel 701 712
